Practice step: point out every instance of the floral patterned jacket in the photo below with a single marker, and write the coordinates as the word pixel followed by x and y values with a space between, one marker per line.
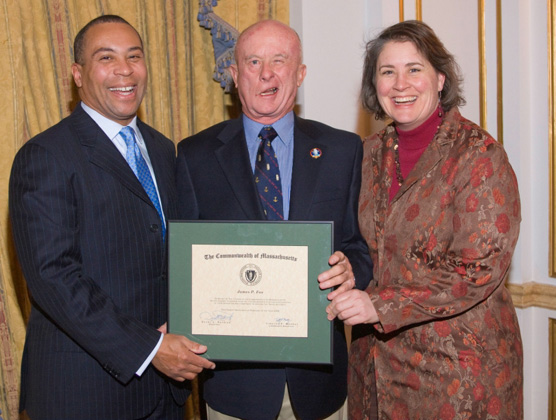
pixel 448 344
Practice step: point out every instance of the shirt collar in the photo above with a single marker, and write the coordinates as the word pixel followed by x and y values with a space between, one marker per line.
pixel 284 128
pixel 110 128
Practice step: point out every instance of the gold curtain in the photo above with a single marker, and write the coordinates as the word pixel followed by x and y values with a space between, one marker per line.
pixel 36 43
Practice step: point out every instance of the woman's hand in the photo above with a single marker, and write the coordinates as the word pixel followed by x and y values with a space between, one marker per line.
pixel 353 307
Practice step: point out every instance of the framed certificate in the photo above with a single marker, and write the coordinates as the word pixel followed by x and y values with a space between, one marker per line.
pixel 248 290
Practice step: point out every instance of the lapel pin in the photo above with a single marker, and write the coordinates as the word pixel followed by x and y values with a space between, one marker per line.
pixel 315 153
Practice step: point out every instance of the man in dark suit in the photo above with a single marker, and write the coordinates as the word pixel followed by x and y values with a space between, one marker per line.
pixel 318 178
pixel 90 236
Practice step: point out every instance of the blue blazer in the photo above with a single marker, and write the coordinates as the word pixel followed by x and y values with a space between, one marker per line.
pixel 215 182
pixel 90 247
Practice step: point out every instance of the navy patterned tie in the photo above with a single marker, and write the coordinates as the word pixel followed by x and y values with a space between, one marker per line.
pixel 141 170
pixel 267 176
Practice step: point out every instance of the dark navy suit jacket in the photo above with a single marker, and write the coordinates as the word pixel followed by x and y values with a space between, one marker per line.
pixel 215 182
pixel 89 243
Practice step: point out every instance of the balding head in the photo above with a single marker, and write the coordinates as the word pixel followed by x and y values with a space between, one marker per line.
pixel 267 25
pixel 268 70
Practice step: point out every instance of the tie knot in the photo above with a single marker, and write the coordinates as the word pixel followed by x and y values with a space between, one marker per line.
pixel 128 135
pixel 268 133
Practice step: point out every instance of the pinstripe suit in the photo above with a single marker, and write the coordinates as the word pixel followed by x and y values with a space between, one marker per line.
pixel 89 243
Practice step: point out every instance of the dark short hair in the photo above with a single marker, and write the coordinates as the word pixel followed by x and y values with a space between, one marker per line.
pixel 79 42
pixel 428 44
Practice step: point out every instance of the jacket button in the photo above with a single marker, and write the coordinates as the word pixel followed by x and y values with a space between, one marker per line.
pixel 154 228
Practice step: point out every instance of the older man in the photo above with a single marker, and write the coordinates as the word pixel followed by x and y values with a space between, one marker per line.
pixel 315 175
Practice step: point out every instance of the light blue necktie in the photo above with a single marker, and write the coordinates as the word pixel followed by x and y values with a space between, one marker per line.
pixel 141 170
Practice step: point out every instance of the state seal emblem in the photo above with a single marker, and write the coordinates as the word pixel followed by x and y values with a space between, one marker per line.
pixel 251 274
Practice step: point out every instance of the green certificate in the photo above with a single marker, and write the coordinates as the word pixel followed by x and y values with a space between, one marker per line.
pixel 248 290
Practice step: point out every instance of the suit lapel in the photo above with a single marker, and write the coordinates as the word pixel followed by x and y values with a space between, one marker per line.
pixel 104 154
pixel 233 157
pixel 306 169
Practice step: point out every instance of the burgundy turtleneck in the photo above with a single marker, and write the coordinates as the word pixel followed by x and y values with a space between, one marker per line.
pixel 411 145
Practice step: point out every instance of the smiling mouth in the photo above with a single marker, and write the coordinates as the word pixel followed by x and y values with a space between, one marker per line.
pixel 402 100
pixel 124 90
pixel 269 92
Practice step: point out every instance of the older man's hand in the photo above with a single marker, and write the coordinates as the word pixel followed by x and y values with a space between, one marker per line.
pixel 339 274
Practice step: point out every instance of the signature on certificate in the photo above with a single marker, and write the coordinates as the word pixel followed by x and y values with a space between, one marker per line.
pixel 282 320
pixel 216 316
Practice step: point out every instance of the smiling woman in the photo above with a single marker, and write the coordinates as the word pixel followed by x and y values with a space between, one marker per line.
pixel 441 239
pixel 407 85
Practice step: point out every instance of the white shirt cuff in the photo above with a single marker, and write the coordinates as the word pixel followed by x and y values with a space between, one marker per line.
pixel 150 358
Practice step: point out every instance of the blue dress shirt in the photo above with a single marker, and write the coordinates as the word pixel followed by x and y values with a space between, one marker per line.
pixel 283 147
